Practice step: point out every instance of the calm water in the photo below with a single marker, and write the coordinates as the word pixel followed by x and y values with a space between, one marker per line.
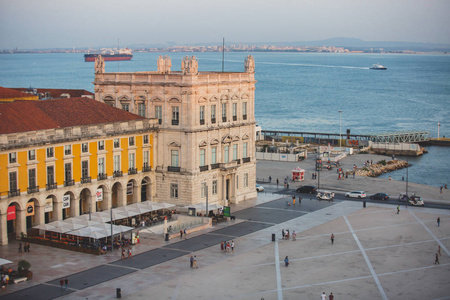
pixel 298 91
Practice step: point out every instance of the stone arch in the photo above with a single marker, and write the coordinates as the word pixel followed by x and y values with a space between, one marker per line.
pixel 132 192
pixel 50 209
pixel 140 98
pixel 85 202
pixel 32 216
pixel 105 202
pixel 124 98
pixel 14 223
pixel 117 195
pixel 174 144
pixel 72 210
pixel 156 98
pixel 146 189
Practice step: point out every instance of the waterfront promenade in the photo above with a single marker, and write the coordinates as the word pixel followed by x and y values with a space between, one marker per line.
pixel 377 254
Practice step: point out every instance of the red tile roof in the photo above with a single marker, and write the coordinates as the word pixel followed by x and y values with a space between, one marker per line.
pixel 6 93
pixel 28 115
pixel 56 93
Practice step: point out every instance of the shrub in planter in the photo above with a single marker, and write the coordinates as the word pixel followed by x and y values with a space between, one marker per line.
pixel 23 268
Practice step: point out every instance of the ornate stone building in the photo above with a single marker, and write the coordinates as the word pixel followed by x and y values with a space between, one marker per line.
pixel 206 139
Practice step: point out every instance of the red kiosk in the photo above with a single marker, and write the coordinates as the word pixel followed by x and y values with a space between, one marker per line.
pixel 298 174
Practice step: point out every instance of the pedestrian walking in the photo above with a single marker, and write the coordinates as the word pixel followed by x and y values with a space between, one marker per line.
pixel 123 254
pixel 324 296
pixel 332 239
pixel 331 297
pixel 270 179
pixel 437 259
pixel 398 209
pixel 20 247
pixel 286 261
pixel 277 182
pixel 191 261
pixel 185 234
pixel 195 262
pixel 181 233
pixel 66 283
pixel 221 246
pixel 61 283
pixel 232 246
pixel 441 188
pixel 293 200
pixel 287 234
pixel 130 255
pixel 28 247
pixel 294 235
pixel 439 221
pixel 228 247
pixel 282 233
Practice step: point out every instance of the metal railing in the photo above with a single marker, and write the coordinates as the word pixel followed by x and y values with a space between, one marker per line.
pixel 132 171
pixel 173 169
pixel 33 189
pixel 69 182
pixel 51 186
pixel 204 168
pixel 117 174
pixel 14 193
pixel 86 179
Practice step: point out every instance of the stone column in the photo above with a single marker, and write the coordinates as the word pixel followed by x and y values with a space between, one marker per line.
pixel 39 215
pixel 122 196
pixel 3 230
pixel 136 193
pixel 74 206
pixel 21 222
pixel 57 211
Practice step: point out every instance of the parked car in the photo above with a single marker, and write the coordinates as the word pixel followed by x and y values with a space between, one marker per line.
pixel 380 196
pixel 328 196
pixel 259 188
pixel 307 189
pixel 356 194
pixel 412 200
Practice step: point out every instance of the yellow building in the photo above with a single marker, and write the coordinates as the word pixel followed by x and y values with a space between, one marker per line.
pixel 11 95
pixel 67 157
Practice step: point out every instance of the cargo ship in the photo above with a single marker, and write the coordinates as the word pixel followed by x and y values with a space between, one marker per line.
pixel 110 54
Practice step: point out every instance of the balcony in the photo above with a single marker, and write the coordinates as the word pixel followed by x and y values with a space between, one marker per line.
pixel 102 176
pixel 33 189
pixel 213 120
pixel 51 186
pixel 159 121
pixel 175 122
pixel 246 160
pixel 117 174
pixel 234 118
pixel 215 166
pixel 228 166
pixel 132 171
pixel 146 168
pixel 238 161
pixel 224 119
pixel 14 193
pixel 86 179
pixel 204 168
pixel 173 169
pixel 69 182
pixel 244 117
pixel 202 122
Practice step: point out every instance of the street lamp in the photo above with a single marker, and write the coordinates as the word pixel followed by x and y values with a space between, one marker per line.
pixel 340 135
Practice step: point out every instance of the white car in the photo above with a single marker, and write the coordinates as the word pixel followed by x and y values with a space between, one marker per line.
pixel 259 188
pixel 356 194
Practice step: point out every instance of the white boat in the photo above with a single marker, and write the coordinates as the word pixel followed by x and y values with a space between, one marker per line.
pixel 378 67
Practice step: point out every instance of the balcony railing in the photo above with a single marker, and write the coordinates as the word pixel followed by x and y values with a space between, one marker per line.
pixel 146 168
pixel 204 168
pixel 246 160
pixel 215 166
pixel 202 122
pixel 159 121
pixel 175 122
pixel 51 186
pixel 132 171
pixel 244 117
pixel 238 161
pixel 213 120
pixel 14 193
pixel 117 174
pixel 33 189
pixel 86 179
pixel 224 119
pixel 69 182
pixel 234 118
pixel 227 166
pixel 173 169
pixel 102 176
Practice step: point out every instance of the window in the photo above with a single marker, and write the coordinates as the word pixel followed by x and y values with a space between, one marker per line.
pixel 32 178
pixel 84 169
pixel 50 152
pixel 101 165
pixel 141 109
pixel 214 187
pixel 146 158
pixel 85 147
pixel 202 157
pixel 68 171
pixel 131 141
pixel 244 110
pixel 31 154
pixel 174 160
pixel 158 113
pixel 202 115
pixel 244 150
pixel 246 180
pixel 12 157
pixel 213 113
pixel 234 111
pixel 145 139
pixel 213 155
pixel 116 163
pixel 116 143
pixel 235 154
pixel 131 161
pixel 50 175
pixel 224 112
pixel 126 107
pixel 174 190
pixel 67 150
pixel 175 115
pixel 226 154
pixel 203 190
pixel 13 181
pixel 101 145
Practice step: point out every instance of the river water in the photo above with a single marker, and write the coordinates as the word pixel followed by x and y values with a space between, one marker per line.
pixel 299 92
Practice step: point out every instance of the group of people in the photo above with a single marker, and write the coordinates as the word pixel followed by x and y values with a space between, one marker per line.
pixel 4 280
pixel 227 246
pixel 193 262
pixel 64 283
pixel 26 247
pixel 324 296
pixel 286 234
pixel 130 254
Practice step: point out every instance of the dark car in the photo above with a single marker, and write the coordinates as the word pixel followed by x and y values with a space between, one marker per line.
pixel 380 196
pixel 307 189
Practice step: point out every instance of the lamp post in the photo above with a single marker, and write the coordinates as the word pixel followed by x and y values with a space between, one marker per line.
pixel 439 127
pixel 340 135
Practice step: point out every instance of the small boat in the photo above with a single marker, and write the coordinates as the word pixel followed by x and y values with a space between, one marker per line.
pixel 110 55
pixel 378 67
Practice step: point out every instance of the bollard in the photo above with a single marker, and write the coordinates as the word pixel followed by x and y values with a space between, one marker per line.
pixel 118 293
pixel 167 237
pixel 273 237
pixel 364 204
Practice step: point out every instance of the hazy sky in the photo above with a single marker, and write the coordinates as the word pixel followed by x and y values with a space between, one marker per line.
pixel 82 23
